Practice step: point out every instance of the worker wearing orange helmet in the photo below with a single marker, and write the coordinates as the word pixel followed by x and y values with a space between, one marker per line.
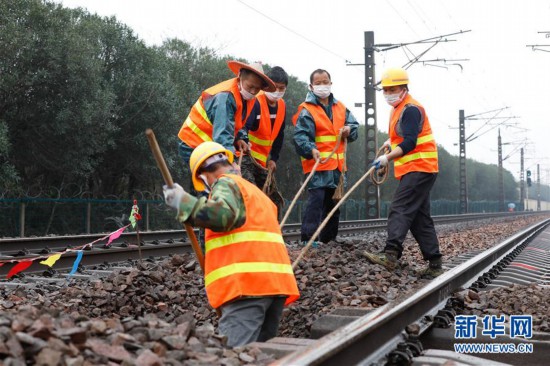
pixel 248 275
pixel 414 152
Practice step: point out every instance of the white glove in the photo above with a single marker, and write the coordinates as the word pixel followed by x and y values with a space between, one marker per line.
pixel 387 144
pixel 173 195
pixel 380 162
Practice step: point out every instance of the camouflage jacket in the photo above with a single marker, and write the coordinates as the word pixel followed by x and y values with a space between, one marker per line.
pixel 223 210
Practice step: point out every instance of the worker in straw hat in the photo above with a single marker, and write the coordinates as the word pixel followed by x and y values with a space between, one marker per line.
pixel 414 153
pixel 220 112
pixel 248 275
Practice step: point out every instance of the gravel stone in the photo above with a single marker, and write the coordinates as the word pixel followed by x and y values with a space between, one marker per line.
pixel 157 312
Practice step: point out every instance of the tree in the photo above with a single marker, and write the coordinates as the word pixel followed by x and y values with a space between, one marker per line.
pixel 53 97
pixel 78 91
pixel 8 175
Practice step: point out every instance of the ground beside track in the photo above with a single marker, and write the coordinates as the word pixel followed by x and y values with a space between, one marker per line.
pixel 150 310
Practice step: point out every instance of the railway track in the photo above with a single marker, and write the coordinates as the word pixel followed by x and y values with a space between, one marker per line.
pixel 395 332
pixel 374 337
pixel 163 243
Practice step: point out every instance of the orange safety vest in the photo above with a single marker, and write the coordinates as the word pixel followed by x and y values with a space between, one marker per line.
pixel 326 134
pixel 197 127
pixel 424 156
pixel 251 260
pixel 262 139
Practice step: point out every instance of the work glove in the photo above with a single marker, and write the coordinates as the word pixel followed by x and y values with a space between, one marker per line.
pixel 380 162
pixel 173 195
pixel 387 145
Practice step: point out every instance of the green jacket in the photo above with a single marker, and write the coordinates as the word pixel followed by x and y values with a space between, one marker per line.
pixel 223 210
pixel 304 140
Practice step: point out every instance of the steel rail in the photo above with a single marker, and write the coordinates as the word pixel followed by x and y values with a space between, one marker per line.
pixel 99 255
pixel 156 243
pixel 290 231
pixel 367 340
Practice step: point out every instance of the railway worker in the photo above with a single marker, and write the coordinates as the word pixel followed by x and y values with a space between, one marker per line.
pixel 318 122
pixel 265 126
pixel 220 112
pixel 414 153
pixel 248 275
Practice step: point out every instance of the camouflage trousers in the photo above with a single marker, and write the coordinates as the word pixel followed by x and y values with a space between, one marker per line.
pixel 255 175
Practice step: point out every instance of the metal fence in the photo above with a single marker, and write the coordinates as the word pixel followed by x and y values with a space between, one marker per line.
pixel 42 216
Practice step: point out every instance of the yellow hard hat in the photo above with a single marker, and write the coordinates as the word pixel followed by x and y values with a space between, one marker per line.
pixel 394 76
pixel 199 157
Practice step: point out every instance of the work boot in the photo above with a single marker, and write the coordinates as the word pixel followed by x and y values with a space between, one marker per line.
pixel 387 259
pixel 433 270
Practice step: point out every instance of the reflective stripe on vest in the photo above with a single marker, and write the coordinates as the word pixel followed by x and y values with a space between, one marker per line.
pixel 243 236
pixel 423 158
pixel 326 134
pixel 325 155
pixel 198 128
pixel 249 267
pixel 259 141
pixel 262 139
pixel 419 140
pixel 251 260
pixel 325 138
pixel 419 155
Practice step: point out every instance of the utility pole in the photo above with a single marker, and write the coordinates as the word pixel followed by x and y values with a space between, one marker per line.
pixel 527 198
pixel 463 187
pixel 500 179
pixel 372 202
pixel 462 163
pixel 538 187
pixel 522 182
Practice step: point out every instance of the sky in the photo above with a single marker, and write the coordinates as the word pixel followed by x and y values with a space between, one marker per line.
pixel 488 67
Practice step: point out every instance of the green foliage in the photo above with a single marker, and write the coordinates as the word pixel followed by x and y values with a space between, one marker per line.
pixel 78 91
pixel 8 174
pixel 53 98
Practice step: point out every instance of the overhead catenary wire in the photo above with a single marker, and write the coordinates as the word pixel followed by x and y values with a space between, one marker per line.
pixel 402 18
pixel 293 31
pixel 420 16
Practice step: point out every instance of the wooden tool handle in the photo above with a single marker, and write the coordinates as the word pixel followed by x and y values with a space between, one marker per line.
pixel 170 183
pixel 159 158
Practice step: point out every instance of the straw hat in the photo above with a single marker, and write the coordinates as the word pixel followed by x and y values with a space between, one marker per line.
pixel 256 68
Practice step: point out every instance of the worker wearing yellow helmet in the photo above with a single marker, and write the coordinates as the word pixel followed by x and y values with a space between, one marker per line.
pixel 247 270
pixel 413 150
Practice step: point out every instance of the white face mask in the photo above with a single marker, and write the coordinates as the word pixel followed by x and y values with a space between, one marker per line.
pixel 246 94
pixel 207 186
pixel 322 91
pixel 395 99
pixel 275 96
